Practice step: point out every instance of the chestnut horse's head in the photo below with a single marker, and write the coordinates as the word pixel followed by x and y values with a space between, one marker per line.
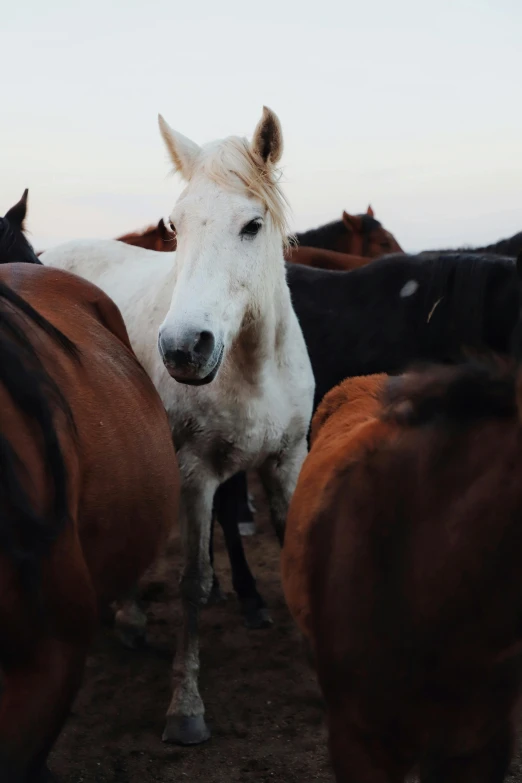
pixel 13 243
pixel 157 238
pixel 355 235
pixel 365 236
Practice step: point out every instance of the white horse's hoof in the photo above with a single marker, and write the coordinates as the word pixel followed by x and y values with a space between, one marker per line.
pixel 186 730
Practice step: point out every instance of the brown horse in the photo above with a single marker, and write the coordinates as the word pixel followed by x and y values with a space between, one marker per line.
pixel 325 259
pixel 357 235
pixel 152 238
pixel 88 491
pixel 401 566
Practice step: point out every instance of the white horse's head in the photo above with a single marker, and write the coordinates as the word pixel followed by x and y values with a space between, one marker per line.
pixel 230 225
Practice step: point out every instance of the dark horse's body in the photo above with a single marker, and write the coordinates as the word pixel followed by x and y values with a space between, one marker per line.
pixel 356 323
pixel 510 247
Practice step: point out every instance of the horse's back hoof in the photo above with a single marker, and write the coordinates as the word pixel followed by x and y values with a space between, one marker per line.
pixel 184 730
pixel 258 618
pixel 247 528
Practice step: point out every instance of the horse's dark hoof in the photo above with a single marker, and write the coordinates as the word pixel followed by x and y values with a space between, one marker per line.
pixel 258 618
pixel 247 528
pixel 184 730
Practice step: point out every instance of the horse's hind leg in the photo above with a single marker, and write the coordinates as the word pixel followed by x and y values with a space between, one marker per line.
pixel 42 656
pixel 131 621
pixel 488 765
pixel 37 694
pixel 253 607
pixel 358 758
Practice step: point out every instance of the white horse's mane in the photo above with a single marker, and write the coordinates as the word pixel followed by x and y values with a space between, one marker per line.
pixel 232 164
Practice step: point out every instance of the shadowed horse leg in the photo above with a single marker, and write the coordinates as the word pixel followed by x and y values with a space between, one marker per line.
pixel 245 514
pixel 279 478
pixel 130 622
pixel 358 758
pixel 488 765
pixel 228 501
pixel 185 723
pixel 217 596
pixel 35 702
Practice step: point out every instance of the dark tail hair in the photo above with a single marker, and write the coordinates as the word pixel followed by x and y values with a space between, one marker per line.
pixel 25 534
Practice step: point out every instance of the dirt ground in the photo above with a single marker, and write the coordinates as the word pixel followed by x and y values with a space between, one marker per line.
pixel 263 706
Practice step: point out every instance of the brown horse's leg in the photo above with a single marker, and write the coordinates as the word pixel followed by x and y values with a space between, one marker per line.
pixel 37 694
pixel 42 656
pixel 358 758
pixel 488 765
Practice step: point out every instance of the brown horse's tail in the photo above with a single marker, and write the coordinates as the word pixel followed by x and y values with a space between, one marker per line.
pixel 25 536
pixel 41 665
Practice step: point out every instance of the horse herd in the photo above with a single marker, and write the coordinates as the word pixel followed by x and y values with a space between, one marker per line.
pixel 138 387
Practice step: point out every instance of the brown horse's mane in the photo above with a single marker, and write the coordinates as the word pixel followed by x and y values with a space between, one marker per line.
pixel 25 534
pixel 321 236
pixel 456 396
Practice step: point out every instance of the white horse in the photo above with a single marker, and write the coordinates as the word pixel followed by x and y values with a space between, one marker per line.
pixel 214 327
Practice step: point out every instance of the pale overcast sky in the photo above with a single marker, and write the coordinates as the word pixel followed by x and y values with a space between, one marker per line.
pixel 412 105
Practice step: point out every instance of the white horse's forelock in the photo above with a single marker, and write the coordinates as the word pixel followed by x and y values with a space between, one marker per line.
pixel 232 164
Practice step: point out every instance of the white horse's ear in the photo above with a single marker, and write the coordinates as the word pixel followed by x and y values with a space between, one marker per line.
pixel 268 138
pixel 183 152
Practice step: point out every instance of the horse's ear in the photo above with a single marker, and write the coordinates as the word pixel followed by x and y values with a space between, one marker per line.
pixel 370 211
pixel 16 215
pixel 267 142
pixel 183 152
pixel 352 222
pixel 164 232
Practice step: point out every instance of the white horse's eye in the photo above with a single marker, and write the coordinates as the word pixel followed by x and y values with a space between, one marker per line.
pixel 172 227
pixel 251 229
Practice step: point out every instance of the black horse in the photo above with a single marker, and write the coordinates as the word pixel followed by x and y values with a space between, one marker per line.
pixel 397 311
pixel 13 243
pixel 511 247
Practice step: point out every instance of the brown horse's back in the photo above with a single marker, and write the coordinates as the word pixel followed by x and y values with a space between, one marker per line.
pixel 401 567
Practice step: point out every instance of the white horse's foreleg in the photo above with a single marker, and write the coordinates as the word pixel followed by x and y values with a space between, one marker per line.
pixel 279 477
pixel 186 714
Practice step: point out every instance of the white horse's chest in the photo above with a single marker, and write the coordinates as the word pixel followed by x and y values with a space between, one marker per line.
pixel 230 431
